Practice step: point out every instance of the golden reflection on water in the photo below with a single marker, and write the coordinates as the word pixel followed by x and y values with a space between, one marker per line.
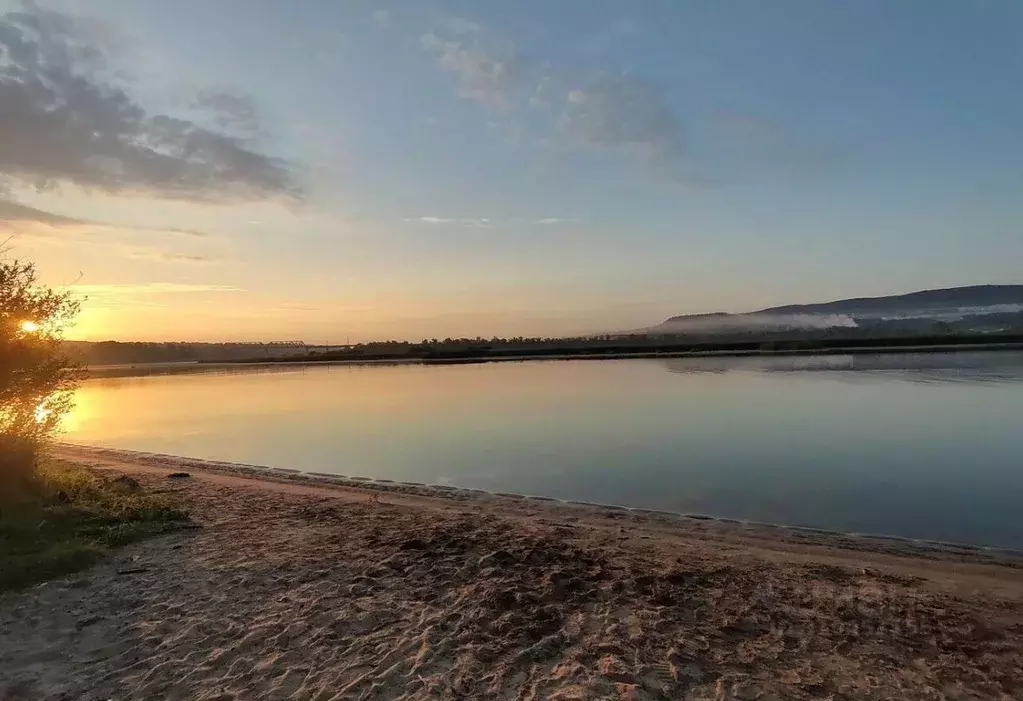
pixel 80 410
pixel 760 440
pixel 367 396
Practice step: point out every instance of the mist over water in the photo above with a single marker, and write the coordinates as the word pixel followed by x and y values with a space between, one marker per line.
pixel 916 445
pixel 754 322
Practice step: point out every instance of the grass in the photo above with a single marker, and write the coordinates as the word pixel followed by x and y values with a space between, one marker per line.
pixel 69 517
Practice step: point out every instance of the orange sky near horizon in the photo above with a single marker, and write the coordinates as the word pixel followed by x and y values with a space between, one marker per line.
pixel 500 169
pixel 159 284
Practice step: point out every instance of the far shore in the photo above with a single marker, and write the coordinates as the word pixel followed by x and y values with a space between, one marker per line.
pixel 169 368
pixel 294 588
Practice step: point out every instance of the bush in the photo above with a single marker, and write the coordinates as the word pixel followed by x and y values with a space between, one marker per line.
pixel 36 379
pixel 17 464
pixel 66 517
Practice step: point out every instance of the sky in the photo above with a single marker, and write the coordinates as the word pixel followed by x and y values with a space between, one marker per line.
pixel 328 170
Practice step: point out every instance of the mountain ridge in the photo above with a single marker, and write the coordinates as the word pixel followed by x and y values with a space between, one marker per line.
pixel 971 296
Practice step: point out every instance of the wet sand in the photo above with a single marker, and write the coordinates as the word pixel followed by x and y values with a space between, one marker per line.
pixel 299 589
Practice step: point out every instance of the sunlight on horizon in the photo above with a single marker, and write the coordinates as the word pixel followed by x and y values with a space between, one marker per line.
pixel 585 180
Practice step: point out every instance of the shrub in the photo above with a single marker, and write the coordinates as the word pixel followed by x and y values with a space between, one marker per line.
pixel 36 378
pixel 66 517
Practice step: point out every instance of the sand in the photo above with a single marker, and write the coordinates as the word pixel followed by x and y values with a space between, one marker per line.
pixel 293 589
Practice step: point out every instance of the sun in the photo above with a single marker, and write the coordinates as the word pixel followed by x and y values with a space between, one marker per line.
pixel 29 326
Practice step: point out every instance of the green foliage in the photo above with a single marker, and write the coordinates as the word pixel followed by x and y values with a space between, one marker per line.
pixel 67 517
pixel 36 378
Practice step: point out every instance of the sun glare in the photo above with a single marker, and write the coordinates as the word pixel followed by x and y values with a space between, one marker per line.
pixel 42 413
pixel 29 326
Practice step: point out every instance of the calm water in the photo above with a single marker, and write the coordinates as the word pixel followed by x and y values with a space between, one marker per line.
pixel 916 445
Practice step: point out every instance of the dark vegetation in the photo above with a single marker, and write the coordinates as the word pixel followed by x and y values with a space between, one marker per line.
pixel 766 343
pixel 136 352
pixel 66 517
pixel 37 380
pixel 55 517
pixel 825 341
pixel 959 317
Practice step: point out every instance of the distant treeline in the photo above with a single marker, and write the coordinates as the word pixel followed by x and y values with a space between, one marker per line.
pixel 138 353
pixel 618 347
pixel 992 328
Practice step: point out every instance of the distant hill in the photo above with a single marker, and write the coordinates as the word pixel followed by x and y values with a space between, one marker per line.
pixel 936 300
pixel 989 307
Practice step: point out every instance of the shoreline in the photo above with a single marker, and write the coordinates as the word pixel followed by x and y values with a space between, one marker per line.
pixel 185 367
pixel 80 452
pixel 295 589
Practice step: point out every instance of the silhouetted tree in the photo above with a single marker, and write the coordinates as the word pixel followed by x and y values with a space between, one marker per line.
pixel 36 378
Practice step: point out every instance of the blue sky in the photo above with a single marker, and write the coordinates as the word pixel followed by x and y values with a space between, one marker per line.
pixel 413 169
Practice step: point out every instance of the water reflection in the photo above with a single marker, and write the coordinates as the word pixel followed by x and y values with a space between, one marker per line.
pixel 959 367
pixel 920 445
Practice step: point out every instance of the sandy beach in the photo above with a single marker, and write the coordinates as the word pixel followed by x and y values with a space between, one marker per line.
pixel 295 588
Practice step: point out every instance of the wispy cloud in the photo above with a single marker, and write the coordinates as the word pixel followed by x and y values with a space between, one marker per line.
pixel 484 222
pixel 187 232
pixel 622 111
pixel 230 110
pixel 14 212
pixel 486 74
pixel 468 222
pixel 14 217
pixel 150 294
pixel 430 220
pixel 155 288
pixel 606 111
pixel 165 257
pixel 66 120
pixel 544 101
pixel 30 225
pixel 461 25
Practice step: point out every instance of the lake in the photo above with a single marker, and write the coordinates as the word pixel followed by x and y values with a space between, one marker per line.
pixel 923 446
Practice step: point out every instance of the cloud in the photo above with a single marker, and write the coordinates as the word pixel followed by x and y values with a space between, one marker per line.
pixel 622 112
pixel 14 212
pixel 158 288
pixel 64 119
pixel 165 257
pixel 429 220
pixel 187 232
pixel 485 74
pixel 18 218
pixel 602 111
pixel 230 110
pixel 148 294
pixel 543 94
pixel 468 222
pixel 460 25
pixel 485 222
pixel 382 17
pixel 551 104
pixel 26 224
